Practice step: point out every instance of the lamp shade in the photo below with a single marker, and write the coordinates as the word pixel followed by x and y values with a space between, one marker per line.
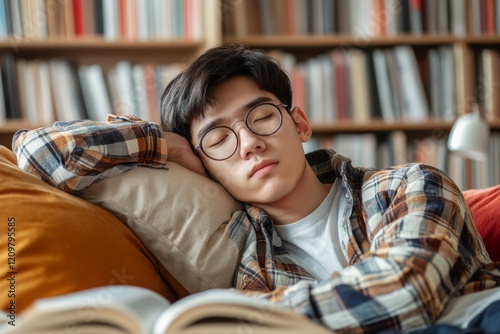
pixel 469 136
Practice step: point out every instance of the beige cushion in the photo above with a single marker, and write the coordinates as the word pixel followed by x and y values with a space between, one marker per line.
pixel 183 218
pixel 61 243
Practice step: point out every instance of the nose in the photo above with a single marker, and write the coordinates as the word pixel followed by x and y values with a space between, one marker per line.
pixel 249 142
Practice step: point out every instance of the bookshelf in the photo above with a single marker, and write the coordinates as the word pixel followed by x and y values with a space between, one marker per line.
pixel 460 29
pixel 96 50
pixel 299 32
pixel 45 31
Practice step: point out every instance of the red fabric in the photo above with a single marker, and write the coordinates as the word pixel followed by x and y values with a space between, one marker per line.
pixel 485 204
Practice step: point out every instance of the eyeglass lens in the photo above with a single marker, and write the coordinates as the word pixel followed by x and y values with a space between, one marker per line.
pixel 221 142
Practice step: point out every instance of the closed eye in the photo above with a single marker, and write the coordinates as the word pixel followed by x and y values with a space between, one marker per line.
pixel 260 119
pixel 217 142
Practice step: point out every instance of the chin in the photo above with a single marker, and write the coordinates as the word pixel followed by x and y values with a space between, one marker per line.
pixel 268 196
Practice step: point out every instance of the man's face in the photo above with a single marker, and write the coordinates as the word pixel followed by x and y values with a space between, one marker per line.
pixel 264 169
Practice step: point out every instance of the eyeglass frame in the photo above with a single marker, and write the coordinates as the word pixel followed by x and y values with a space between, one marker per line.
pixel 230 128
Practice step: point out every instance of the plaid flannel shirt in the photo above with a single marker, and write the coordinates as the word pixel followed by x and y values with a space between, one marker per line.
pixel 408 234
pixel 73 155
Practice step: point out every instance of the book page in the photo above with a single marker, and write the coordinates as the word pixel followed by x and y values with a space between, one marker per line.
pixel 460 311
pixel 120 309
pixel 228 311
pixel 81 329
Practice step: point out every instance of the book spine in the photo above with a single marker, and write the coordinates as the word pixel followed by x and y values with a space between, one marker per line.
pixel 10 85
pixel 110 16
pixel 99 18
pixel 78 17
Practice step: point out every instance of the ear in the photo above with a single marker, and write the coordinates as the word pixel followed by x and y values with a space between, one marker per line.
pixel 302 124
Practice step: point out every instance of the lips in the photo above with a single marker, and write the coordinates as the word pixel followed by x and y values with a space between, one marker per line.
pixel 261 165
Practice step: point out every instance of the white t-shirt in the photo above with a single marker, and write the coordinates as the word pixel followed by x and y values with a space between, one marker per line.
pixel 314 240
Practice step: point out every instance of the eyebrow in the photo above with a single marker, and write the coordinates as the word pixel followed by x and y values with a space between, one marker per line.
pixel 245 108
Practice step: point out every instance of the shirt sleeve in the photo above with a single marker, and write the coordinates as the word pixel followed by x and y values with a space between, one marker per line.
pixel 73 155
pixel 414 249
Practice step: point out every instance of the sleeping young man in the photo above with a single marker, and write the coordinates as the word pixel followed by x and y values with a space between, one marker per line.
pixel 355 249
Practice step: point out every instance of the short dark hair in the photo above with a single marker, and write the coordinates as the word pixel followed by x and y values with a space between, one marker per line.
pixel 187 95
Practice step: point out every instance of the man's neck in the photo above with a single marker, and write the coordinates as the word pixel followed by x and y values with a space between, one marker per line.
pixel 305 198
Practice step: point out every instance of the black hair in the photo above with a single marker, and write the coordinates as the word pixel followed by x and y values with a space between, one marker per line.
pixel 187 95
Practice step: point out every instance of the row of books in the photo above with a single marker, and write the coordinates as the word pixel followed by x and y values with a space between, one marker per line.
pixel 110 19
pixel 366 18
pixel 487 84
pixel 392 84
pixel 43 91
pixel 368 150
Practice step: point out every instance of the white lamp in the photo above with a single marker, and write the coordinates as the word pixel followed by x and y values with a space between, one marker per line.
pixel 469 135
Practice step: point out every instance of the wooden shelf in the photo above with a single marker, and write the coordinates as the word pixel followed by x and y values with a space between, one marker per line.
pixel 380 126
pixel 11 126
pixel 98 44
pixel 324 41
pixel 89 50
pixel 482 39
pixel 495 124
pixel 306 41
pixel 278 41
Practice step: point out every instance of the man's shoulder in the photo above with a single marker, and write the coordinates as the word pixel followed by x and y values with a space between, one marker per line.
pixel 329 165
pixel 393 177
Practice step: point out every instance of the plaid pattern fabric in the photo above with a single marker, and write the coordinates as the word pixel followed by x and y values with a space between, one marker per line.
pixel 408 235
pixel 410 242
pixel 73 155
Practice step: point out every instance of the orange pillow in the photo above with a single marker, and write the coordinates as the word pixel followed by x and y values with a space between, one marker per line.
pixel 60 243
pixel 485 204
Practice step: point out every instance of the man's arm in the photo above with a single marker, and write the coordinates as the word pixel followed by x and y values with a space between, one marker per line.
pixel 73 155
pixel 420 249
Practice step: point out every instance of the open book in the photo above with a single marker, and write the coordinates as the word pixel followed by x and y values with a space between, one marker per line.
pixel 135 310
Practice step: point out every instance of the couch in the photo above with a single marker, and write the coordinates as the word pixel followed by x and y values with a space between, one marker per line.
pixel 138 230
pixel 61 243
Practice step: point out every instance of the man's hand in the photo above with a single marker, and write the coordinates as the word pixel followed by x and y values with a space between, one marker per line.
pixel 180 152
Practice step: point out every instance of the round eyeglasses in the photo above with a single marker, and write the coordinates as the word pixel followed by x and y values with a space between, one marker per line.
pixel 220 142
